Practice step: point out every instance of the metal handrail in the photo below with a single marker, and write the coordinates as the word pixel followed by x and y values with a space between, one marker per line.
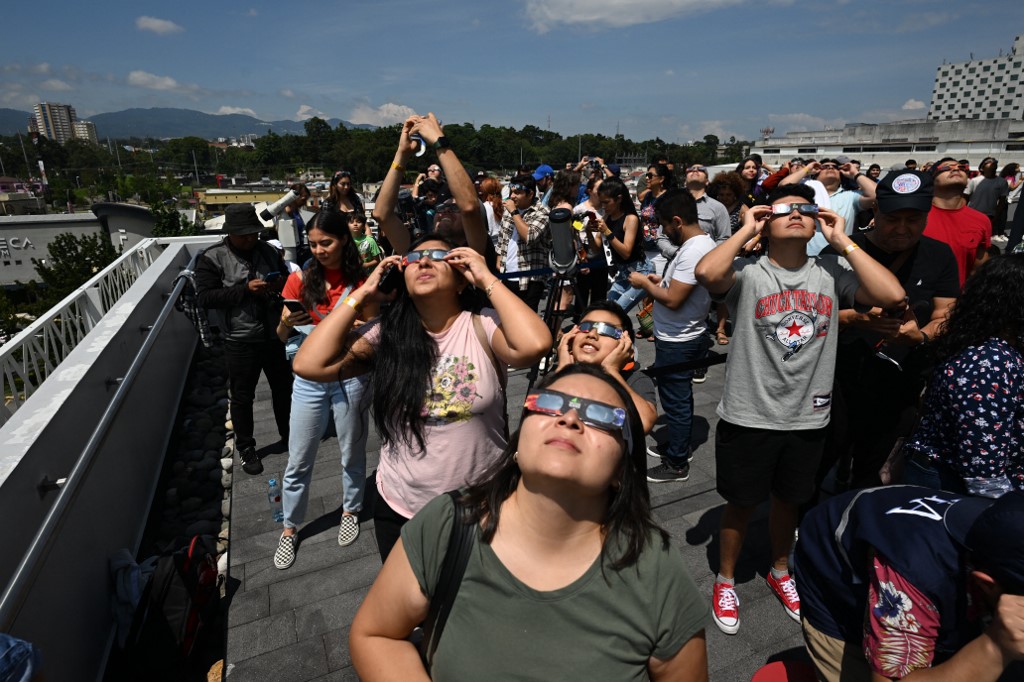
pixel 35 353
pixel 17 589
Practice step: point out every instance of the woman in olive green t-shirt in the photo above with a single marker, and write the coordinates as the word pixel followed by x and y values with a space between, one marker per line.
pixel 569 576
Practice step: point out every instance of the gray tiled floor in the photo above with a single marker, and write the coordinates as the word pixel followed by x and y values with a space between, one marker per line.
pixel 293 625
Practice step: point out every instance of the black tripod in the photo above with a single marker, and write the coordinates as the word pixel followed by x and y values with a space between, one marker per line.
pixel 553 317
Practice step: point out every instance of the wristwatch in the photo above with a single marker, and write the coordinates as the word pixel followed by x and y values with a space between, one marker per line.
pixel 441 143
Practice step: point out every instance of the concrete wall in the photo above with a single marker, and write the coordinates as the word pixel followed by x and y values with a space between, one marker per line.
pixel 67 612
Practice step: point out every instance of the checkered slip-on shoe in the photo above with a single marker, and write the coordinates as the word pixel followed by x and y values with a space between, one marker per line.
pixel 284 557
pixel 348 531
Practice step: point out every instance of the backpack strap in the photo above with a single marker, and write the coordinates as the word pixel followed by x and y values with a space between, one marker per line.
pixel 460 545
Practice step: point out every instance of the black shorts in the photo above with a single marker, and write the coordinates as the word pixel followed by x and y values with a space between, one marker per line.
pixel 753 463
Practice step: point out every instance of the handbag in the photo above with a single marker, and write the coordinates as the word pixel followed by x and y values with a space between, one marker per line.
pixel 645 316
pixel 460 544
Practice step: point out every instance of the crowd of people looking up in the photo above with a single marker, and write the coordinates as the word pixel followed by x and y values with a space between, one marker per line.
pixel 874 336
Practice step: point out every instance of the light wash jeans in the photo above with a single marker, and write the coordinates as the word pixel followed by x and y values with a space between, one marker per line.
pixel 312 402
pixel 621 291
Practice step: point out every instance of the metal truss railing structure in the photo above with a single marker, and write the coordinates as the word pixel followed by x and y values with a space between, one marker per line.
pixel 31 356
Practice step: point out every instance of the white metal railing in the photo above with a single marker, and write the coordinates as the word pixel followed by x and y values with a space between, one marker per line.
pixel 32 355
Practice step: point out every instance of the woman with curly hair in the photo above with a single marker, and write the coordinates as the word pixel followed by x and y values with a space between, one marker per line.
pixel 436 371
pixel 343 195
pixel 332 274
pixel 971 435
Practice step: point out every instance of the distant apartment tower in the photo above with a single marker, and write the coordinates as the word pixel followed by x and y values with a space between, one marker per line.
pixel 55 121
pixel 85 130
pixel 981 88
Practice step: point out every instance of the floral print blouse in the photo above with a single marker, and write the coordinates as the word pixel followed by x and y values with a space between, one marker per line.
pixel 973 415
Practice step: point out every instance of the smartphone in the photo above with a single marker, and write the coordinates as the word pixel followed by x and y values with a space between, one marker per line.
pixel 389 282
pixel 294 306
pixel 271 276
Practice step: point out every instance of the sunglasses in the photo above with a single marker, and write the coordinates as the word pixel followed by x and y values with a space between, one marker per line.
pixel 516 187
pixel 432 254
pixel 592 413
pixel 433 169
pixel 829 166
pixel 786 209
pixel 949 167
pixel 652 175
pixel 602 328
pixel 693 169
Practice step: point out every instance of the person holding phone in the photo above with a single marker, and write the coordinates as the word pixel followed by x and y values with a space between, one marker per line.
pixel 310 297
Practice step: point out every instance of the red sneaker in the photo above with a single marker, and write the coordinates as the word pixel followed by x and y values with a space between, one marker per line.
pixel 785 589
pixel 725 608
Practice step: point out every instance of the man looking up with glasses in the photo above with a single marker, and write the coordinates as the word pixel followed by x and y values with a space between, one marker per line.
pixel 845 202
pixel 966 231
pixel 778 379
pixel 881 363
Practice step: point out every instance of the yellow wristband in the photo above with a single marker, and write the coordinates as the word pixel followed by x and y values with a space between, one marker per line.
pixel 850 249
pixel 353 304
pixel 398 166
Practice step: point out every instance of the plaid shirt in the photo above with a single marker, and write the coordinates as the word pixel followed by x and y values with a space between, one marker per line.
pixel 534 250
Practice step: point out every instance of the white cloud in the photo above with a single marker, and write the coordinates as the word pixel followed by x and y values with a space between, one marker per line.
pixel 546 15
pixel 384 115
pixel 252 12
pixel 55 84
pixel 42 69
pixel 13 96
pixel 158 26
pixel 669 72
pixel 143 79
pixel 307 112
pixel 237 110
pixel 287 93
pixel 912 105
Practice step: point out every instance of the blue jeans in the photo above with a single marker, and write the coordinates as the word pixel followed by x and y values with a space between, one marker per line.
pixel 622 292
pixel 19 660
pixel 312 402
pixel 676 393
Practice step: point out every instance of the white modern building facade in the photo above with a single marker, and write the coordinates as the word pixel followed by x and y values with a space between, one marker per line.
pixel 981 89
pixel 85 130
pixel 55 121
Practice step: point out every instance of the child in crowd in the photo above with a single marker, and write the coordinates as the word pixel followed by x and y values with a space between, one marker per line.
pixel 369 252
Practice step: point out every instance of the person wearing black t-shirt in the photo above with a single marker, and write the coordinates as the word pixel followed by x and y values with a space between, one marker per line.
pixel 881 367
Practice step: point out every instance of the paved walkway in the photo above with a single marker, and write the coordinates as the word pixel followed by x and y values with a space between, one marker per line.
pixel 293 624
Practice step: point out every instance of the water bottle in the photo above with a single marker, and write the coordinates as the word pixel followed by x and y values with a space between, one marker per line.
pixel 274 497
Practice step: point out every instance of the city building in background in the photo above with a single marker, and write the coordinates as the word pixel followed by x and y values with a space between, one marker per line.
pixel 981 88
pixel 54 121
pixel 85 130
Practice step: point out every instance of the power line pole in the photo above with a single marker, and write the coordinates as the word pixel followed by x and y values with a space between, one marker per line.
pixel 24 154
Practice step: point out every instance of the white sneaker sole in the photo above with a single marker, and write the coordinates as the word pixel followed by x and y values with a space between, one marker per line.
pixel 727 629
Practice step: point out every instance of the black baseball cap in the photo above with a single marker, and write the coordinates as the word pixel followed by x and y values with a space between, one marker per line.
pixel 991 531
pixel 907 189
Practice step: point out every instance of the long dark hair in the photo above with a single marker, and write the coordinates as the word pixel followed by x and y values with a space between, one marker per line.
pixel 314 275
pixel 334 194
pixel 403 368
pixel 991 305
pixel 628 523
pixel 614 188
pixel 668 178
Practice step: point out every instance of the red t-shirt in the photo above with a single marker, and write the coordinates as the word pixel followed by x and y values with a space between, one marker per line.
pixel 336 285
pixel 964 229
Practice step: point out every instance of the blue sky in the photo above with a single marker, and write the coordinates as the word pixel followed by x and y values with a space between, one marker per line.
pixel 677 69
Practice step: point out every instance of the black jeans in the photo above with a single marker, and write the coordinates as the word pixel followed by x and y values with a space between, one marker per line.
pixel 244 363
pixel 387 526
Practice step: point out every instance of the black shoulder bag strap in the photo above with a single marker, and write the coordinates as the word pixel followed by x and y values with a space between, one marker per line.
pixel 460 544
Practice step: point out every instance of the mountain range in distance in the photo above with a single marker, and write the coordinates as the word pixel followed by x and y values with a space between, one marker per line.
pixel 168 123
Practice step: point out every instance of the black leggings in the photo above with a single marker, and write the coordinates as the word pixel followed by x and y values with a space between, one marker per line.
pixel 387 526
